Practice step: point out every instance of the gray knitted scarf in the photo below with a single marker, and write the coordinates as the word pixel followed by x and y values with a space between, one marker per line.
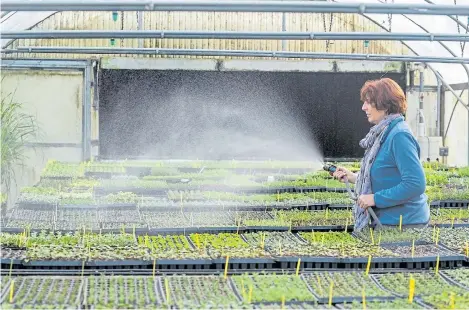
pixel 371 143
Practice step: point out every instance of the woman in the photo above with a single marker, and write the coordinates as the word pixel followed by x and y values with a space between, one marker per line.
pixel 391 179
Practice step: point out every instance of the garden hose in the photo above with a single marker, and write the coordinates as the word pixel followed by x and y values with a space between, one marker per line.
pixel 354 198
pixel 332 169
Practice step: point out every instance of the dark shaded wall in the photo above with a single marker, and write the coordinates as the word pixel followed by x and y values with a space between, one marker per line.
pixel 225 115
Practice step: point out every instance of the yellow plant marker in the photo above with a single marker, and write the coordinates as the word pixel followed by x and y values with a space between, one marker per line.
pixel 319 283
pixel 327 213
pixel 243 291
pixel 437 264
pixel 411 290
pixel 368 265
pixel 154 267
pixel 331 288
pixel 283 301
pixel 166 286
pixel 278 196
pixel 452 303
pixel 346 225
pixel 372 237
pixel 12 289
pixel 250 293
pixel 11 269
pixel 262 240
pixel 413 247
pixel 363 299
pixel 467 248
pixel 437 235
pixel 226 266
pixel 400 222
pixel 298 266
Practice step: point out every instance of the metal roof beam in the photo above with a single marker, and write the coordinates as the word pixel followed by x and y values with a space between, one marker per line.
pixel 234 6
pixel 176 34
pixel 233 53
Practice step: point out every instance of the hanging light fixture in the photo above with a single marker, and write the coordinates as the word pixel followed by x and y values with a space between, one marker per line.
pixel 114 16
pixel 366 43
pixel 113 41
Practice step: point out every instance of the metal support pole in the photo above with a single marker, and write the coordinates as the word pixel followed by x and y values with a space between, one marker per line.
pixel 233 53
pixel 459 99
pixel 182 34
pixel 140 27
pixel 86 122
pixel 284 28
pixel 421 127
pixel 438 107
pixel 235 6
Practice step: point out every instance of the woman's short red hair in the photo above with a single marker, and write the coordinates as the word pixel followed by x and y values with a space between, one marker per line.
pixel 384 94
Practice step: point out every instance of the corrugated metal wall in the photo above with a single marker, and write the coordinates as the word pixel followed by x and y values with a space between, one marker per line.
pixel 210 21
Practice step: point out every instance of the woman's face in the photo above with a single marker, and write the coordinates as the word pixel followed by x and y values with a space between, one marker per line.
pixel 374 116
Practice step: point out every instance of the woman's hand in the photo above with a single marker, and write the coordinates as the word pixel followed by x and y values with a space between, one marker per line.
pixel 366 201
pixel 342 173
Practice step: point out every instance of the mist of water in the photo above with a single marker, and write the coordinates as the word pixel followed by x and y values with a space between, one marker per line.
pixel 196 119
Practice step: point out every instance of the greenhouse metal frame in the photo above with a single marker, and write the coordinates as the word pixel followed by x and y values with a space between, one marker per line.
pixel 366 9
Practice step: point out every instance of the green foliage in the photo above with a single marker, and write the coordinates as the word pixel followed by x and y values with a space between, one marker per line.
pixel 17 129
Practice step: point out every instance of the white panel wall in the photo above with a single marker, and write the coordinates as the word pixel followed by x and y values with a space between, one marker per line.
pixel 55 99
pixel 457 138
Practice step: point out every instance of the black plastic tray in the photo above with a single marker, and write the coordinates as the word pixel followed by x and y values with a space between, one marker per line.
pixel 453 203
pixel 244 263
pixel 36 206
pixel 102 174
pixel 102 191
pixel 138 264
pixel 184 264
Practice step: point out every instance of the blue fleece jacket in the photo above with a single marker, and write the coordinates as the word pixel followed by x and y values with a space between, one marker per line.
pixel 398 179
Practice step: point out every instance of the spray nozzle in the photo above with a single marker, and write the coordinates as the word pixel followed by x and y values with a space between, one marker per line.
pixel 329 168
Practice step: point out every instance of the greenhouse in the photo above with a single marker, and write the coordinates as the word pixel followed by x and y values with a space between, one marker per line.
pixel 188 154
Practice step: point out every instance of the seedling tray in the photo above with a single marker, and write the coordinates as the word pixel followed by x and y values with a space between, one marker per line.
pixel 118 206
pixel 321 228
pixel 53 263
pixel 57 177
pixel 53 292
pixel 355 287
pixel 131 263
pixel 13 256
pixel 244 263
pixel 135 292
pixel 449 279
pixel 416 301
pixel 183 264
pixel 37 206
pixel 102 191
pixel 102 174
pixel 138 171
pixel 248 229
pixel 453 203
